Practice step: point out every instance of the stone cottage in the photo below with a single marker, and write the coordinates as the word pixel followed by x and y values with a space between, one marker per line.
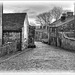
pixel 15 28
pixel 64 24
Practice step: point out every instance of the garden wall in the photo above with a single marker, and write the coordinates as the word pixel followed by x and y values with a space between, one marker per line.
pixel 67 43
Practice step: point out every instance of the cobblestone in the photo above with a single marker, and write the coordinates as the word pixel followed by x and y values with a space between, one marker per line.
pixel 42 58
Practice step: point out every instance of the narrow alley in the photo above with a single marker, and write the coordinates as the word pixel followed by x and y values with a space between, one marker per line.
pixel 42 58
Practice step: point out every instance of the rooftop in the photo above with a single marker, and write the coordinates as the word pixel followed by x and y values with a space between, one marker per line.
pixel 13 21
pixel 59 22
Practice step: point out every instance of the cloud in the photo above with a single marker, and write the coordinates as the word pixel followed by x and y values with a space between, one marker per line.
pixel 21 10
pixel 32 8
pixel 32 12
pixel 26 10
pixel 38 6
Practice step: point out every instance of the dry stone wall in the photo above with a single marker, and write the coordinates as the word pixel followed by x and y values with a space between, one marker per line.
pixel 67 43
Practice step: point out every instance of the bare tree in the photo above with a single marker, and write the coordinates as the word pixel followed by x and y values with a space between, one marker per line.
pixel 39 19
pixel 56 12
pixel 65 11
pixel 47 17
pixel 44 18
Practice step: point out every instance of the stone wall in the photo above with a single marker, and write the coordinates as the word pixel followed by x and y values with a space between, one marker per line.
pixel 31 36
pixel 67 43
pixel 70 34
pixel 8 48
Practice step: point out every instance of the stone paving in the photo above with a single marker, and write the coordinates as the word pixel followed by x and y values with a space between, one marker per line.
pixel 42 58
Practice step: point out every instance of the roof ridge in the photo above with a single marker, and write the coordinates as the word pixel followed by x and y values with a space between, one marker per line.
pixel 13 13
pixel 60 18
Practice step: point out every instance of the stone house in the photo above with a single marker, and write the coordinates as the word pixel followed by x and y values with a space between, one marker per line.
pixel 14 32
pixel 64 24
pixel 41 33
pixel 15 28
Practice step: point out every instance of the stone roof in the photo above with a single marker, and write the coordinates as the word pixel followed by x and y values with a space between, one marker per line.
pixel 13 21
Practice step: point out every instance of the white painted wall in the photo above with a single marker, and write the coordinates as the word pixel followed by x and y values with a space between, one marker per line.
pixel 26 25
pixel 25 33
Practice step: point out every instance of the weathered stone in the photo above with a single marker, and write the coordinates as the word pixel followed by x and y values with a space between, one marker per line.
pixel 67 43
pixel 8 48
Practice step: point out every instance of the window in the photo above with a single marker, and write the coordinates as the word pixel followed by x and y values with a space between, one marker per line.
pixel 40 27
pixel 53 29
pixel 44 27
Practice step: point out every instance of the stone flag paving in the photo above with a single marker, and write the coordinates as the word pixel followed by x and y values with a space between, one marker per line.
pixel 42 58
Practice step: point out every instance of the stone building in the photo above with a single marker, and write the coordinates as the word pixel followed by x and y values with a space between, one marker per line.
pixel 41 33
pixel 31 36
pixel 64 24
pixel 14 32
pixel 15 28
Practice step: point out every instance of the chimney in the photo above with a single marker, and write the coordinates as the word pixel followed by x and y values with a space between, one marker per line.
pixel 69 13
pixel 63 17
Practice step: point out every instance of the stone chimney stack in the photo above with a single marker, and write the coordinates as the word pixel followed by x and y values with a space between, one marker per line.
pixel 69 13
pixel 63 17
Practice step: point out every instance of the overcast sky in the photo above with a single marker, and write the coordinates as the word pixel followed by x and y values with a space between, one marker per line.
pixel 35 7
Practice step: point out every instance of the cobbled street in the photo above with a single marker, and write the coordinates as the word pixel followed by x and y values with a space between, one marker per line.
pixel 42 58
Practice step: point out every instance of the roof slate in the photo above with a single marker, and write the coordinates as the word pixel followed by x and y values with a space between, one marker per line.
pixel 13 21
pixel 59 22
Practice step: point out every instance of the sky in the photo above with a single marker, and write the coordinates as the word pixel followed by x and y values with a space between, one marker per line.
pixel 33 8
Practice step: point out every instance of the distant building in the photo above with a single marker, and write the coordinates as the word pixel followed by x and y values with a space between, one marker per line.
pixel 31 37
pixel 41 32
pixel 65 24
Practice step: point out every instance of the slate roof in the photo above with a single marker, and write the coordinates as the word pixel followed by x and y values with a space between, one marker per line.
pixel 13 21
pixel 59 22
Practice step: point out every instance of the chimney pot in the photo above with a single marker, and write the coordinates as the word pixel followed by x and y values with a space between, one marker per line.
pixel 63 17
